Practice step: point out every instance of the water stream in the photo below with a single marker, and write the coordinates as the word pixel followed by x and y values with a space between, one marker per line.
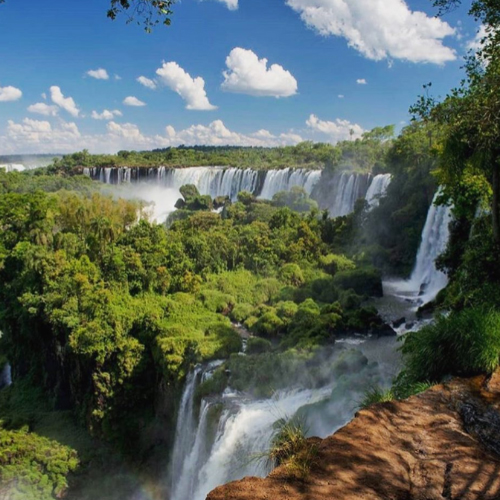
pixel 426 281
pixel 161 185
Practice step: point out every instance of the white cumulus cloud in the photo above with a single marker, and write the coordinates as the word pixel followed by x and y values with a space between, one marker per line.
pixel 98 74
pixel 10 93
pixel 35 135
pixel 477 42
pixel 361 81
pixel 338 130
pixel 247 74
pixel 106 114
pixel 192 90
pixel 66 103
pixel 133 101
pixel 380 29
pixel 230 4
pixel 217 134
pixel 147 82
pixel 43 109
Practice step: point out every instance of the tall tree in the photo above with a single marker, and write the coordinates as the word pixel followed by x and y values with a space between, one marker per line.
pixel 470 115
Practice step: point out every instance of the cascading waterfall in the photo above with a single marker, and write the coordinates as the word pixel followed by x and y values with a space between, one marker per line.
pixel 426 280
pixel 185 424
pixel 377 189
pixel 283 180
pixel 346 188
pixel 163 184
pixel 214 181
pixel 5 376
pixel 13 167
pixel 234 431
pixel 425 277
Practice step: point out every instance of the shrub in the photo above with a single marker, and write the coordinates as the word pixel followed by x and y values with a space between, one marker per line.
pixel 464 343
pixel 290 447
pixel 332 263
pixel 291 274
pixel 250 322
pixel 286 310
pixel 33 467
pixel 241 312
pixel 268 325
pixel 217 301
pixel 189 191
pixel 376 395
pixel 349 299
pixel 256 345
pixel 213 385
pixel 366 282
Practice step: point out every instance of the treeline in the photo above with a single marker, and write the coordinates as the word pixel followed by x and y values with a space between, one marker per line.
pixel 364 154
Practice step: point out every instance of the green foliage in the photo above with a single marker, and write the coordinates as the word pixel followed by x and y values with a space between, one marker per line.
pixel 256 345
pixel 464 343
pixel 288 441
pixel 375 395
pixel 212 386
pixel 332 263
pixel 262 374
pixel 241 312
pixel 33 467
pixel 365 282
pixel 217 301
pixel 291 274
pixel 296 199
pixel 268 325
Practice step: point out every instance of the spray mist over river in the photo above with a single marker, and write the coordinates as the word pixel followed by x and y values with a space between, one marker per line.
pixel 226 438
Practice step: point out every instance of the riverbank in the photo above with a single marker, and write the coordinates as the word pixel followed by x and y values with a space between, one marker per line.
pixel 440 444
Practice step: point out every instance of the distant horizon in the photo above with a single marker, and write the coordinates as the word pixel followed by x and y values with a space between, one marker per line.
pixel 273 73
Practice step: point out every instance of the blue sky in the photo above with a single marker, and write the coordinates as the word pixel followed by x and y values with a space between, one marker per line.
pixel 208 82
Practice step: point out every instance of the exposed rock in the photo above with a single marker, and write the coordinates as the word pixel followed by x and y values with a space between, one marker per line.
pixel 443 443
pixel 384 330
pixel 399 322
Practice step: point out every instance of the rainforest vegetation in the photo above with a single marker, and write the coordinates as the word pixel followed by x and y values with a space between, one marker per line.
pixel 362 154
pixel 103 313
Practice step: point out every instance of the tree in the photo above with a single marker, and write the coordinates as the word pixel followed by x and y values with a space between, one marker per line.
pixel 149 13
pixel 470 115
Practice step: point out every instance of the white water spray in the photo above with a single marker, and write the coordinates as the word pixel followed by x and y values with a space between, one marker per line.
pixel 234 431
pixel 426 280
pixel 377 189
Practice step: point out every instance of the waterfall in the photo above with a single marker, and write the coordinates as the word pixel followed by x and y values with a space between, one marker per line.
pixel 13 167
pixel 5 376
pixel 161 185
pixel 346 188
pixel 426 280
pixel 425 277
pixel 283 180
pixel 234 431
pixel 185 424
pixel 243 435
pixel 189 435
pixel 377 189
pixel 214 181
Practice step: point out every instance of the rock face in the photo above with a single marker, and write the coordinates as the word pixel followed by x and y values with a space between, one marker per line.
pixel 442 444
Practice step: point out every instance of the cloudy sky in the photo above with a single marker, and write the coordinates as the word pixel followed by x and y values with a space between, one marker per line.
pixel 239 72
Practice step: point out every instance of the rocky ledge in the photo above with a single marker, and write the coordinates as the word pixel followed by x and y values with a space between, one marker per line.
pixel 442 444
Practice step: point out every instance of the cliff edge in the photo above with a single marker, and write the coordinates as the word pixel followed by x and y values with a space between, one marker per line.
pixel 441 444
